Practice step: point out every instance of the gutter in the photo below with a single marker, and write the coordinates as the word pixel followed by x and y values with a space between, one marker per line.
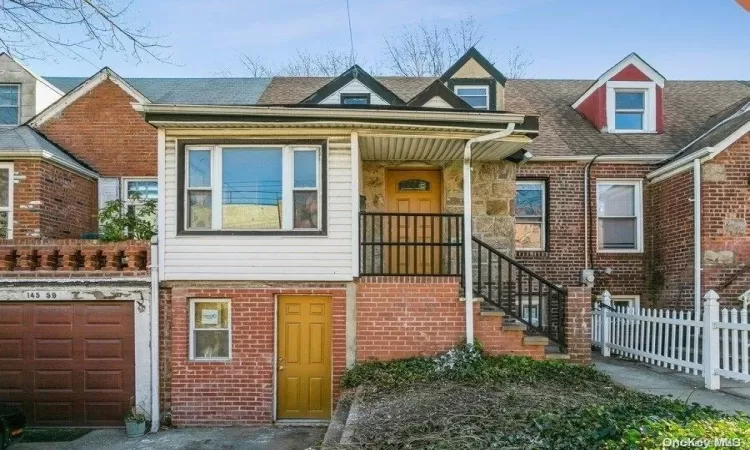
pixel 680 164
pixel 468 263
pixel 586 219
pixel 697 237
pixel 281 111
pixel 154 335
pixel 45 155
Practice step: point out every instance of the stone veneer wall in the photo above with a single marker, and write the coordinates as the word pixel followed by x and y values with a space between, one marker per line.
pixel 493 196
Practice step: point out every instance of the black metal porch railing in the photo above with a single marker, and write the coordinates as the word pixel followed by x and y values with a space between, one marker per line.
pixel 519 292
pixel 411 244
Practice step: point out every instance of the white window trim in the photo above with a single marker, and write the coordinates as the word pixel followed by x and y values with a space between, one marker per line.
pixel 635 300
pixel 475 86
pixel 191 337
pixel 638 211
pixel 287 186
pixel 18 86
pixel 544 216
pixel 9 208
pixel 124 188
pixel 649 103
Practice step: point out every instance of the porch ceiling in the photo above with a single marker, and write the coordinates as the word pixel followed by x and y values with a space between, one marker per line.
pixel 418 148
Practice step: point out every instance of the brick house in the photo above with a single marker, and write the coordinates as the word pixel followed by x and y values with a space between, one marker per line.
pixel 340 210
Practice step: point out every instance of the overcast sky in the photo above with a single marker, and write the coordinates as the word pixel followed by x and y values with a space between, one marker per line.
pixel 683 39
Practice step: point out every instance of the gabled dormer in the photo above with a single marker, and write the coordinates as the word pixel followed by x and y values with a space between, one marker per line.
pixel 627 98
pixel 354 87
pixel 22 93
pixel 476 81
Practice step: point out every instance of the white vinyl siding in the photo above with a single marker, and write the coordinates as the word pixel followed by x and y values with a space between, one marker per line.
pixel 353 87
pixel 280 258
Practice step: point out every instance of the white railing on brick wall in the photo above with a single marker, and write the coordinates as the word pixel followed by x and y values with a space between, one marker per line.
pixel 714 345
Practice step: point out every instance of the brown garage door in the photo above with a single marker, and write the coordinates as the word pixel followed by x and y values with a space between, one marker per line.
pixel 68 363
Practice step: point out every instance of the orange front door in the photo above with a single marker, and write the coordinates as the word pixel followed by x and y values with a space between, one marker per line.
pixel 304 357
pixel 419 192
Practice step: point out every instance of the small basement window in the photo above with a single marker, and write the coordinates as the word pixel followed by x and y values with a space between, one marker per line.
pixel 210 330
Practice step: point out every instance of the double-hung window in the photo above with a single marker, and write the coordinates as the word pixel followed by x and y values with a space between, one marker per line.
pixel 630 109
pixel 6 200
pixel 136 191
pixel 10 104
pixel 210 330
pixel 254 188
pixel 619 215
pixel 477 96
pixel 530 229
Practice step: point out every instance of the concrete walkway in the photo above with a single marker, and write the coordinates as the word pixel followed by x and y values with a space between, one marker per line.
pixel 734 396
pixel 245 438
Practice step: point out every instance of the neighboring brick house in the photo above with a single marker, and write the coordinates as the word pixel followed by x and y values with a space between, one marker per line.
pixel 578 129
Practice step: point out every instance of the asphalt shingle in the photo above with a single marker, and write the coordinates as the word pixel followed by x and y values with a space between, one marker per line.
pixel 23 139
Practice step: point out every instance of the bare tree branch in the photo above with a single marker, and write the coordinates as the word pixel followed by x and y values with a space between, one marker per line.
pixel 29 29
pixel 518 63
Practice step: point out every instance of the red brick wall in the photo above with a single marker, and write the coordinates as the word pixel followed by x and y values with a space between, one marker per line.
pixel 102 129
pixel 669 241
pixel 239 392
pixel 401 317
pixel 68 201
pixel 725 238
pixel 578 325
pixel 565 256
pixel 165 353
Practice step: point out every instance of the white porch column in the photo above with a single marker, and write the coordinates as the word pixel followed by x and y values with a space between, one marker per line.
pixel 468 273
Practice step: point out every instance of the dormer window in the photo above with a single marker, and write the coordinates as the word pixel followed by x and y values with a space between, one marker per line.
pixel 631 107
pixel 10 104
pixel 477 96
pixel 355 99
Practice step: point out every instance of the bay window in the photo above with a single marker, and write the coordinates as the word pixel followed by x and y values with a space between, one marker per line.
pixel 253 188
pixel 619 216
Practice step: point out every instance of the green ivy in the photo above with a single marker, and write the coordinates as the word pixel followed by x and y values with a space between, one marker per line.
pixel 613 417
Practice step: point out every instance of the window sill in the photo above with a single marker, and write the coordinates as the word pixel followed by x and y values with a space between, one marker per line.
pixel 626 252
pixel 210 360
pixel 541 254
pixel 279 233
pixel 633 131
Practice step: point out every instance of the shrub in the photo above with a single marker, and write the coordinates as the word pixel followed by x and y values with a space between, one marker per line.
pixel 118 222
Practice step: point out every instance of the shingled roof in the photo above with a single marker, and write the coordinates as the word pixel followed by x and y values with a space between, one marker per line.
pixel 290 90
pixel 688 106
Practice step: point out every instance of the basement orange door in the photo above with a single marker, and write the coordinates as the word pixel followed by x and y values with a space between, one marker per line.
pixel 414 191
pixel 304 357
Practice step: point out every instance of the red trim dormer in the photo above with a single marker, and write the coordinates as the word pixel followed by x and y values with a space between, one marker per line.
pixel 627 98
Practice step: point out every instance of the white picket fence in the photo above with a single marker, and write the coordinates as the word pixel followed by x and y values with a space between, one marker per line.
pixel 715 345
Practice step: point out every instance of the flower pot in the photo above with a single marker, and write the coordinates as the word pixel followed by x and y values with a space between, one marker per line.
pixel 134 429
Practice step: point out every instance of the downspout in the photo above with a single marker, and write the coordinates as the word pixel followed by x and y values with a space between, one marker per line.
pixel 586 219
pixel 697 236
pixel 154 335
pixel 468 274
